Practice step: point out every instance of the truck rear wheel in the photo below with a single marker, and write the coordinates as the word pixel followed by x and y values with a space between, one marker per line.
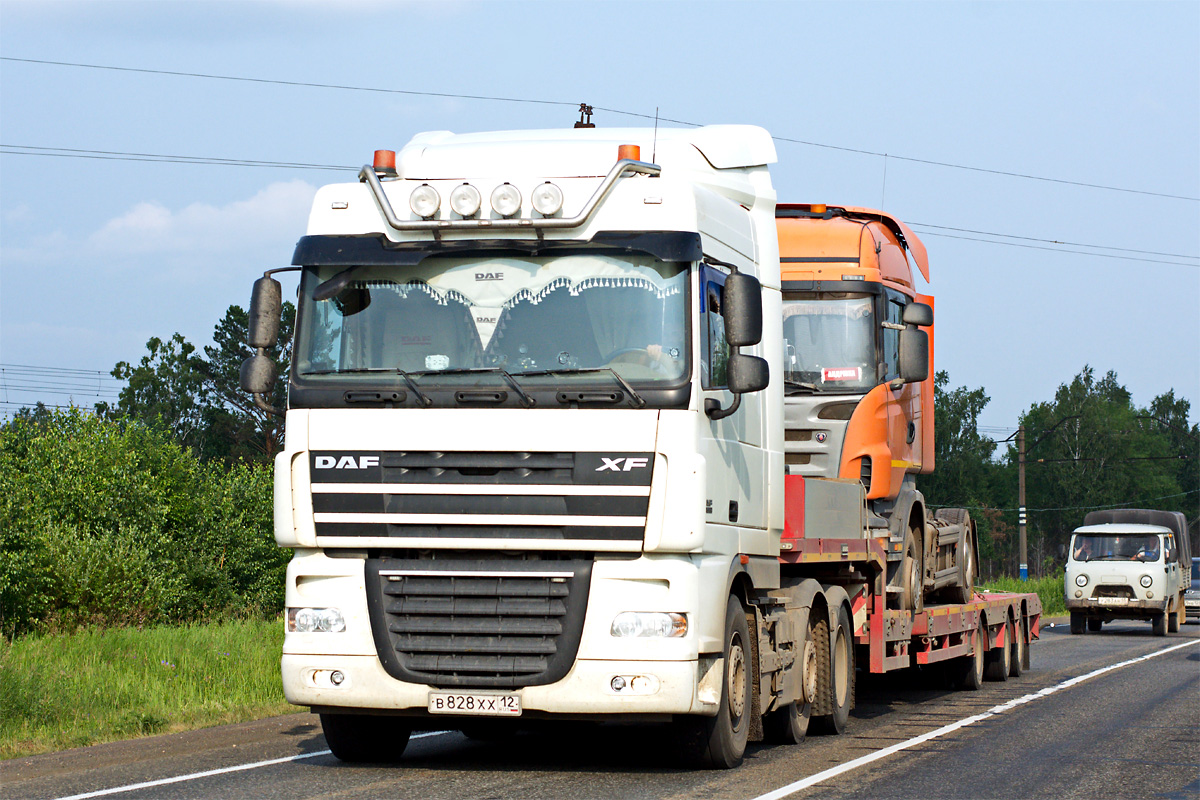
pixel 970 668
pixel 359 738
pixel 719 742
pixel 835 687
pixel 909 575
pixel 999 659
pixel 1078 622
pixel 788 725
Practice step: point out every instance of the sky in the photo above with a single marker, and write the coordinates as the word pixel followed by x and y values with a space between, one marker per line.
pixel 976 123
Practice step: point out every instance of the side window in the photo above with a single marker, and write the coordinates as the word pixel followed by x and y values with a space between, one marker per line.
pixel 1169 548
pixel 714 355
pixel 893 314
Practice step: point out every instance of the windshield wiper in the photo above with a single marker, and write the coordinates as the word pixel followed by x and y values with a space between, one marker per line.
pixel 799 386
pixel 526 399
pixel 421 397
pixel 637 400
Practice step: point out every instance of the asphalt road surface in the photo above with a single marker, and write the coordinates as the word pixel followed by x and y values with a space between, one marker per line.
pixel 1114 714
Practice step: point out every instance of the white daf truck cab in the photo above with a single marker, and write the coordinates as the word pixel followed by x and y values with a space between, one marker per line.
pixel 1128 564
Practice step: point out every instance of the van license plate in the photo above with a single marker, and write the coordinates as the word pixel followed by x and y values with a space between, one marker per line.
pixel 478 703
pixel 1113 601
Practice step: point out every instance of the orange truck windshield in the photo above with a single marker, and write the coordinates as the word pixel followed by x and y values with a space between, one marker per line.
pixel 829 342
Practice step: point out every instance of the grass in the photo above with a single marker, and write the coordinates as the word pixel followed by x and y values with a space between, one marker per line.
pixel 1049 589
pixel 70 690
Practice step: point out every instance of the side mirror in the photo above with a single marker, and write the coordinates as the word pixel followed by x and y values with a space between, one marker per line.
pixel 742 310
pixel 747 373
pixel 914 355
pixel 918 314
pixel 266 303
pixel 257 375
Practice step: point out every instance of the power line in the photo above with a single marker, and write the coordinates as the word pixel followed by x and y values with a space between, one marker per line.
pixel 1053 241
pixel 1124 504
pixel 347 87
pixel 158 158
pixel 1060 250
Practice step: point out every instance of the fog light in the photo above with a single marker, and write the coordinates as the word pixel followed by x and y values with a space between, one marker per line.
pixel 465 200
pixel 1149 595
pixel 649 624
pixel 336 677
pixel 547 199
pixel 506 199
pixel 618 683
pixel 1081 580
pixel 424 201
pixel 1079 593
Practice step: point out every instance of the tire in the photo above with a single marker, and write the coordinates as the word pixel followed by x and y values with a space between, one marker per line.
pixel 719 742
pixel 835 688
pixel 910 575
pixel 361 738
pixel 1158 624
pixel 1078 622
pixel 789 725
pixel 1094 624
pixel 999 659
pixel 1018 656
pixel 970 667
pixel 1173 618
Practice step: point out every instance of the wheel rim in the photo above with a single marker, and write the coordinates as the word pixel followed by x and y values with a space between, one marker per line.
pixel 841 663
pixel 735 678
pixel 809 686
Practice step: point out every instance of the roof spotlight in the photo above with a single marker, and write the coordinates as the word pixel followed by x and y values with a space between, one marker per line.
pixel 506 199
pixel 465 200
pixel 547 199
pixel 424 201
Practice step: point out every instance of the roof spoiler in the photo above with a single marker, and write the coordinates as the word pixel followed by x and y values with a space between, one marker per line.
pixel 904 233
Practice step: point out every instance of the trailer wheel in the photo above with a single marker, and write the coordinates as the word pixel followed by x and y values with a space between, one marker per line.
pixel 836 677
pixel 1078 622
pixel 1158 624
pixel 1094 624
pixel 999 659
pixel 1018 647
pixel 970 668
pixel 788 725
pixel 358 738
pixel 719 742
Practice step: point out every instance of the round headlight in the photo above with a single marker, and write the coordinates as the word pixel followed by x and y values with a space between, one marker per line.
pixel 424 201
pixel 506 199
pixel 465 200
pixel 1081 580
pixel 547 199
pixel 1145 581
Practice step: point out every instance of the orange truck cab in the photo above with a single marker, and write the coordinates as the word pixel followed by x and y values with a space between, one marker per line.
pixel 851 411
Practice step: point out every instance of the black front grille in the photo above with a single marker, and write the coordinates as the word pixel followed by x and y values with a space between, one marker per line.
pixel 484 623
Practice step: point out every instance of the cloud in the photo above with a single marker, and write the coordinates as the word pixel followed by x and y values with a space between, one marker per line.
pixel 276 213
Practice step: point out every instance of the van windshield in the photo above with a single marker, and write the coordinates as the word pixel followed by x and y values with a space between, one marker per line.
pixel 1115 547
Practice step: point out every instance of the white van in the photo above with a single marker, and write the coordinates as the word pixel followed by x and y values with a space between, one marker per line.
pixel 1128 564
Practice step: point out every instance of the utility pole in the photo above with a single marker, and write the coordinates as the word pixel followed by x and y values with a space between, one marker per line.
pixel 1021 501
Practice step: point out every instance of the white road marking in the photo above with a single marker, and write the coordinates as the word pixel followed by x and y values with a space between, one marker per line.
pixel 833 772
pixel 193 776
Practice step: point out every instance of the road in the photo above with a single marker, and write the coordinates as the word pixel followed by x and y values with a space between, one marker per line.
pixel 1108 715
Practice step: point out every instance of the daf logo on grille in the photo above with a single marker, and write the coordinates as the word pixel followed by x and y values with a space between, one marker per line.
pixel 346 462
pixel 614 464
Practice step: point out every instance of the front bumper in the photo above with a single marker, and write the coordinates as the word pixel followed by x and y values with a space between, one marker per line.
pixel 1192 606
pixel 1130 609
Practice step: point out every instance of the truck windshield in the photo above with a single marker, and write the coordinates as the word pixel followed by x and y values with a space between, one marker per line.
pixel 543 314
pixel 1115 547
pixel 829 341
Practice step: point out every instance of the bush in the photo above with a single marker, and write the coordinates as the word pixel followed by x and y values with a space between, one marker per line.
pixel 112 523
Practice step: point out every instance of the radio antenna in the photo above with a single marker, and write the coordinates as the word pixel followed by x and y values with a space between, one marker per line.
pixel 654 147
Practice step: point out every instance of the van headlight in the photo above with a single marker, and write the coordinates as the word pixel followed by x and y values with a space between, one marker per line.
pixel 1081 580
pixel 1146 581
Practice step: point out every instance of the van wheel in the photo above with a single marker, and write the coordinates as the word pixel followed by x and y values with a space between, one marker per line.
pixel 1094 624
pixel 358 738
pixel 1078 622
pixel 719 742
pixel 1158 624
pixel 999 659
pixel 1173 618
pixel 836 677
pixel 970 668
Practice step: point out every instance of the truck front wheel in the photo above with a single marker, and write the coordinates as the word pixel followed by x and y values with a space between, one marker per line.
pixel 719 742
pixel 1158 624
pixel 359 738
